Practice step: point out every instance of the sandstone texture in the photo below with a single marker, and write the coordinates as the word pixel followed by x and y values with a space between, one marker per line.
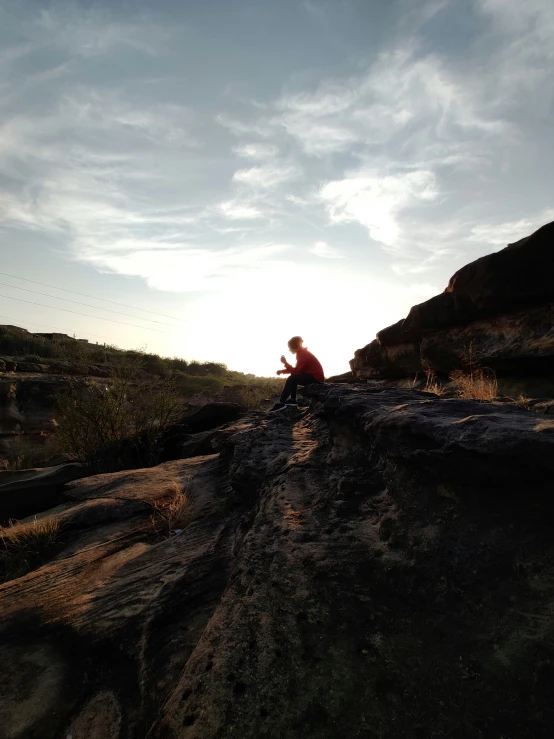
pixel 378 565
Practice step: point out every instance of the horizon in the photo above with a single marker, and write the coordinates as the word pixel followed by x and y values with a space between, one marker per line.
pixel 211 180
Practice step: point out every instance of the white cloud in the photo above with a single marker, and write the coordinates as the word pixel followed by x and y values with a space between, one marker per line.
pixel 322 249
pixel 266 176
pixel 239 211
pixel 500 235
pixel 416 147
pixel 256 151
pixel 377 202
pixel 248 128
pixel 184 268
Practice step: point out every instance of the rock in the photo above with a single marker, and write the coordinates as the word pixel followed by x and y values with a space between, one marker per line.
pixel 9 365
pixel 501 304
pixel 323 560
pixel 210 416
pixel 24 492
pixel 344 377
pixel 200 399
pixel 518 276
pixel 517 343
pixel 398 360
pixel 31 367
pixel 443 310
pixel 2 365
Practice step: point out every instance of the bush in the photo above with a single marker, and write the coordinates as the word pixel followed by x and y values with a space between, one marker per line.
pixel 24 547
pixel 25 453
pixel 113 425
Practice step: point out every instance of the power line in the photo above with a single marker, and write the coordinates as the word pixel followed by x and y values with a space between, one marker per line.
pixel 87 315
pixel 84 295
pixel 87 305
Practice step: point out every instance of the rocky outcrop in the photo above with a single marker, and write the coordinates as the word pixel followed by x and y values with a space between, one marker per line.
pixel 25 492
pixel 499 309
pixel 381 565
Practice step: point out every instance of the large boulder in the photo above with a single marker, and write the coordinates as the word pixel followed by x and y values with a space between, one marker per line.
pixel 446 309
pixel 516 343
pixel 211 416
pixel 482 305
pixel 520 275
pixel 396 360
pixel 381 566
pixel 24 492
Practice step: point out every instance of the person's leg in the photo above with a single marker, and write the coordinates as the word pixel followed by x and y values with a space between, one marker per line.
pixel 299 380
pixel 290 388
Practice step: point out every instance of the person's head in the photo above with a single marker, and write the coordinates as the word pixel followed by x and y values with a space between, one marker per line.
pixel 295 344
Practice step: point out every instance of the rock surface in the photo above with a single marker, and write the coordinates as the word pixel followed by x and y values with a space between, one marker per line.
pixel 500 308
pixel 25 492
pixel 381 565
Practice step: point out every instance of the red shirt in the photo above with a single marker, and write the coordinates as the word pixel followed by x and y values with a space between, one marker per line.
pixel 306 364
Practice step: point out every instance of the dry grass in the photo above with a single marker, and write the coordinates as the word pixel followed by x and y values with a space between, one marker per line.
pixel 24 547
pixel 522 401
pixel 432 385
pixel 174 512
pixel 475 384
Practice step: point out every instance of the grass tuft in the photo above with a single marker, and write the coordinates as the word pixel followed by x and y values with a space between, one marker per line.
pixel 25 547
pixel 175 512
pixel 432 385
pixel 476 384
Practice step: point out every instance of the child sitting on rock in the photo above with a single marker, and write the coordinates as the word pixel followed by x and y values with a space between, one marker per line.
pixel 307 371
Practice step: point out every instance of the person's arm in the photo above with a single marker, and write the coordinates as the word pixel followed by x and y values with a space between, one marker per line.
pixel 300 365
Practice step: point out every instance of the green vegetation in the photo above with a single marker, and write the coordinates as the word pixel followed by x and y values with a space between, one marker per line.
pixel 25 453
pixel 25 547
pixel 112 425
pixel 115 405
pixel 188 377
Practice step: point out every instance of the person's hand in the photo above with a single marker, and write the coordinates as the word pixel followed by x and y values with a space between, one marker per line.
pixel 280 372
pixel 283 359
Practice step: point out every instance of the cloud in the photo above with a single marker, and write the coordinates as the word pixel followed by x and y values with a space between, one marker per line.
pixel 248 128
pixel 377 202
pixel 239 211
pixel 256 151
pixel 501 234
pixel 322 249
pixel 184 268
pixel 266 176
pixel 436 157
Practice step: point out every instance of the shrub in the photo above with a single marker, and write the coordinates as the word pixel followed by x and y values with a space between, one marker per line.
pixel 117 424
pixel 25 453
pixel 24 547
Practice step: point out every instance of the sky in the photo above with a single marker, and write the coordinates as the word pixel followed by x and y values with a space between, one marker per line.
pixel 230 173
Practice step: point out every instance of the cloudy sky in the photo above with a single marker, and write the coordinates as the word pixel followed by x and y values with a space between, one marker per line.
pixel 238 171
